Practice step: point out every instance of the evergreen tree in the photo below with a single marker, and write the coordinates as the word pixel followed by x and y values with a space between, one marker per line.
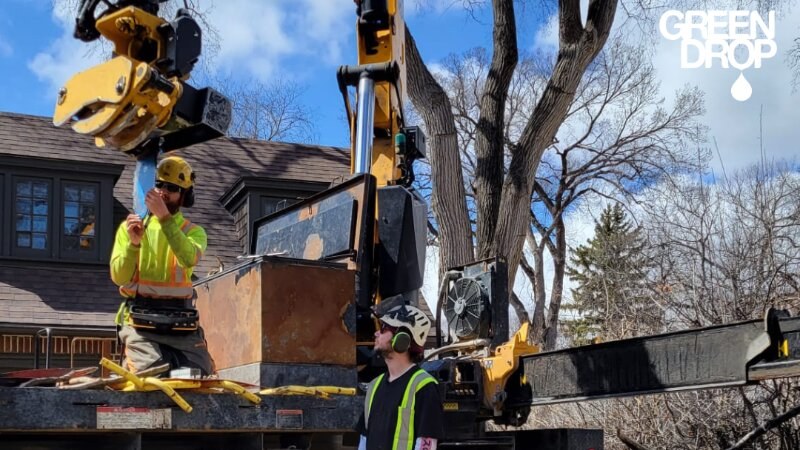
pixel 610 272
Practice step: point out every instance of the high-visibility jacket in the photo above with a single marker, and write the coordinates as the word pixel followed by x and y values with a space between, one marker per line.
pixel 404 430
pixel 161 267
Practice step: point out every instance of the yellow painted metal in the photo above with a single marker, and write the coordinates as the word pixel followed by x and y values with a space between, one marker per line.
pixel 391 48
pixel 169 386
pixel 83 91
pixel 173 384
pixel 316 391
pixel 129 376
pixel 129 29
pixel 232 387
pixel 783 348
pixel 149 383
pixel 116 101
pixel 497 368
pixel 174 396
pixel 450 406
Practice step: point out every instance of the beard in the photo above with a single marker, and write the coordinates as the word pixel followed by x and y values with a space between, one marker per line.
pixel 173 206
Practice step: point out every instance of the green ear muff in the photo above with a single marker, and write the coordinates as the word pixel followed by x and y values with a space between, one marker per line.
pixel 401 342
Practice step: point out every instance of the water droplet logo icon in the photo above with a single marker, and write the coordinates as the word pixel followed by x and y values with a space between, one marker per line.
pixel 741 89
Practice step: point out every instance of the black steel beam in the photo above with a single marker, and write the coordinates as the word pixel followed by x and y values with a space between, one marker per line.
pixel 709 357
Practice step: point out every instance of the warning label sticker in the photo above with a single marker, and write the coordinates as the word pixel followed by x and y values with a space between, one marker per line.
pixel 289 419
pixel 122 418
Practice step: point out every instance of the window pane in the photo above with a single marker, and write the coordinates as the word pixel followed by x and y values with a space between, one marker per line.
pixel 40 189
pixel 87 212
pixel 40 224
pixel 87 243
pixel 40 207
pixel 71 242
pixel 71 227
pixel 70 209
pixel 32 218
pixel 24 188
pixel 270 205
pixel 87 228
pixel 23 206
pixel 71 193
pixel 80 217
pixel 23 240
pixel 39 241
pixel 23 222
pixel 87 193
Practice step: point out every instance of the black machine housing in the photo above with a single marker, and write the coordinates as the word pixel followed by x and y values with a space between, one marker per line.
pixel 400 253
pixel 476 303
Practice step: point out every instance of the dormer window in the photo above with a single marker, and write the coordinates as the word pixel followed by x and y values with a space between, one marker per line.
pixel 251 198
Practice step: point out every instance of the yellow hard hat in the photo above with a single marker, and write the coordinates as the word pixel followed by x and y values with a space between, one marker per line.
pixel 175 170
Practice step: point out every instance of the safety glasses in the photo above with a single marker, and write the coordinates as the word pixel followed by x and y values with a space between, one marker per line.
pixel 164 186
pixel 385 328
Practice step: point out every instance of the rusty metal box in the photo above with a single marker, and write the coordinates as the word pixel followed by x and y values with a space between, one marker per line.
pixel 281 312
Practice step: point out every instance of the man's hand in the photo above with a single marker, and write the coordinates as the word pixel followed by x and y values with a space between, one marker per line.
pixel 135 228
pixel 155 203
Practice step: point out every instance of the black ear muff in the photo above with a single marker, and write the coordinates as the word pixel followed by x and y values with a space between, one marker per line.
pixel 401 342
pixel 188 198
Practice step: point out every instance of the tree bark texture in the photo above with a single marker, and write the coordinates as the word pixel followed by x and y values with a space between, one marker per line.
pixel 550 334
pixel 578 47
pixel 448 198
pixel 489 142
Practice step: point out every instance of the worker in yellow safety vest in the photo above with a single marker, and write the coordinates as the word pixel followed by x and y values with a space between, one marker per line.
pixel 152 264
pixel 402 409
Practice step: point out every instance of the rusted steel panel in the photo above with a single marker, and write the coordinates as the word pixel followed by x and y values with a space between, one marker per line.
pixel 308 314
pixel 230 314
pixel 278 310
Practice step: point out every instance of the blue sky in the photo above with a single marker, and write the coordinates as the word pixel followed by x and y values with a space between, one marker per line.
pixel 306 40
pixel 303 41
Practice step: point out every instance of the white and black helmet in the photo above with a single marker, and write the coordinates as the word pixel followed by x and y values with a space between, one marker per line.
pixel 411 318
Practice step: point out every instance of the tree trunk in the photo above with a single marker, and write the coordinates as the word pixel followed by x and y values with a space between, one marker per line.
pixel 448 199
pixel 578 47
pixel 519 308
pixel 539 293
pixel 557 290
pixel 489 141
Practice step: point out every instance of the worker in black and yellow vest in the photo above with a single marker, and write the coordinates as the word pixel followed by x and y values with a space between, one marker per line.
pixel 402 408
pixel 152 264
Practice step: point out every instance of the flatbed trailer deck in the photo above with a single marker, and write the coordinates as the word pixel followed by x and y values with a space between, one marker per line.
pixel 44 417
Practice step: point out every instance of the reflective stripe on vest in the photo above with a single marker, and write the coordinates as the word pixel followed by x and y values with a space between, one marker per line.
pixel 404 430
pixel 177 285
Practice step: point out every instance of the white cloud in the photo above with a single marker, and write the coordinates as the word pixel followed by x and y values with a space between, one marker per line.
pixel 256 38
pixel 6 49
pixel 547 36
pixel 736 125
pixel 251 35
pixel 66 56
pixel 259 36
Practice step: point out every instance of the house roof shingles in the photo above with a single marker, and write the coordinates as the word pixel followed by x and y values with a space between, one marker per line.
pixel 57 294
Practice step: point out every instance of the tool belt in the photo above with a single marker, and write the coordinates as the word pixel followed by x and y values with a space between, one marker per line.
pixel 173 316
